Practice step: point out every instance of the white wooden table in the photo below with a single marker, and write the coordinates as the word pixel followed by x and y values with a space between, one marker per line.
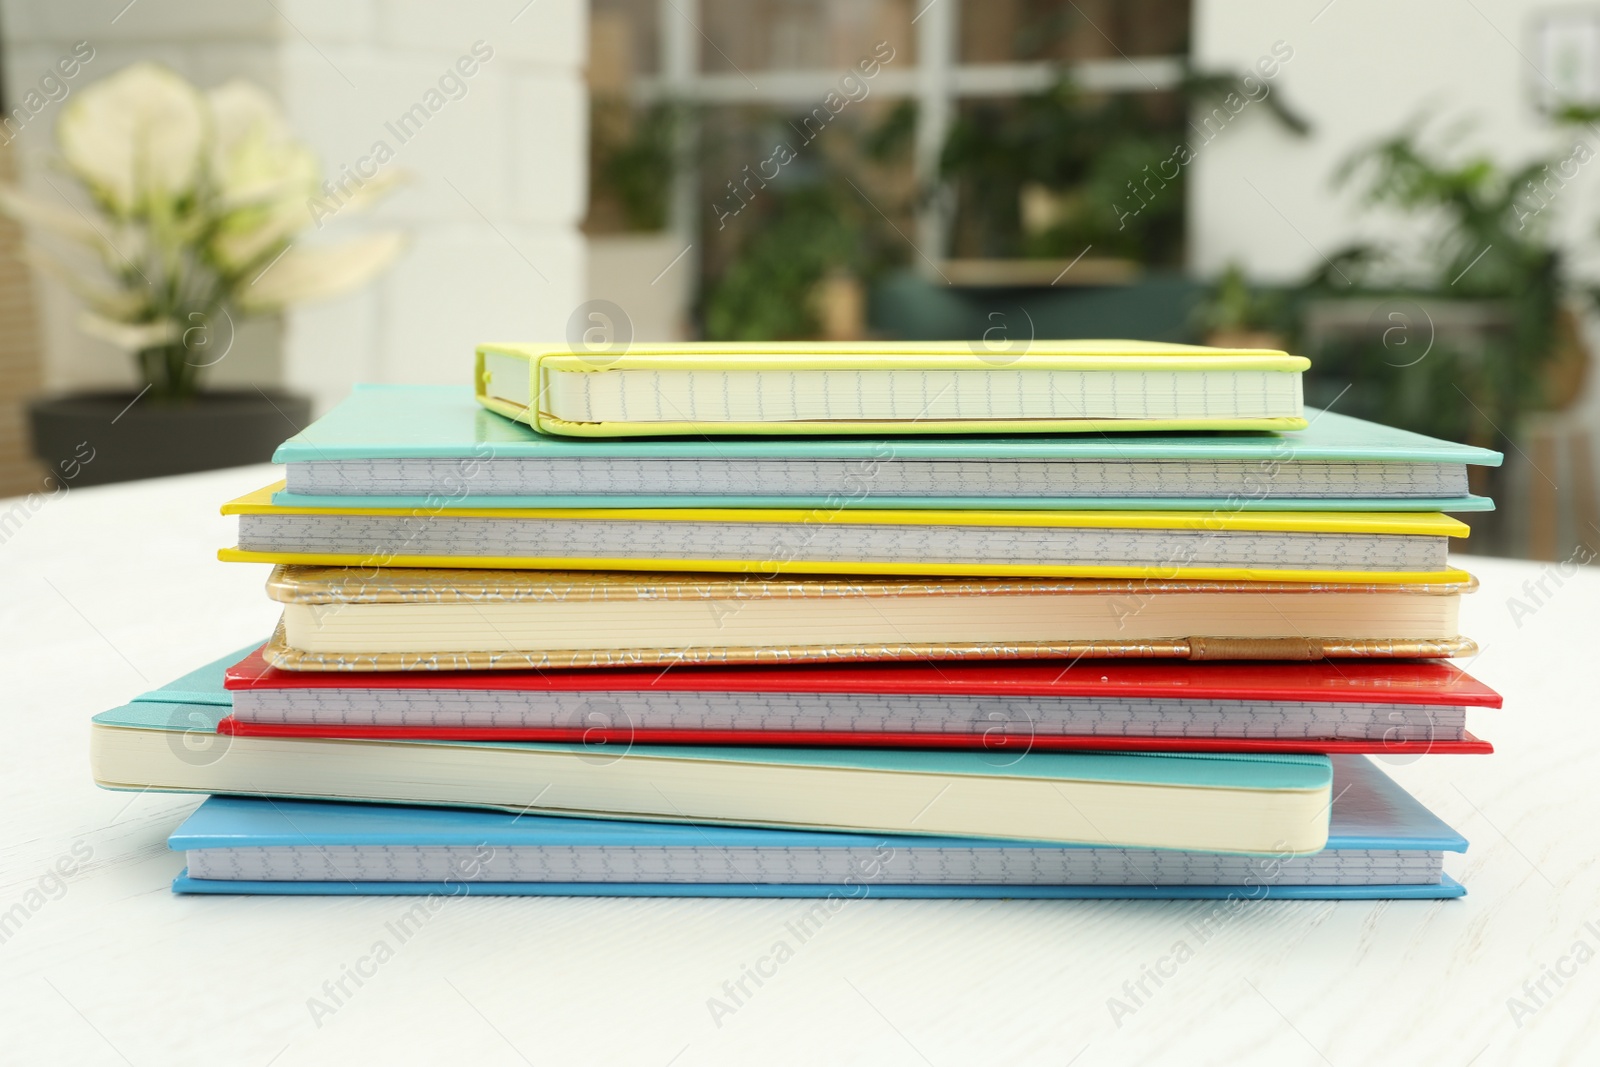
pixel 108 592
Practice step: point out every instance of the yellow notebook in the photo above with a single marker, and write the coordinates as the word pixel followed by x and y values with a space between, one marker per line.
pixel 1393 547
pixel 864 388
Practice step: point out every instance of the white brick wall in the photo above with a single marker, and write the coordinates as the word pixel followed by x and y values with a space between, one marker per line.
pixel 550 35
pixel 490 281
pixel 498 177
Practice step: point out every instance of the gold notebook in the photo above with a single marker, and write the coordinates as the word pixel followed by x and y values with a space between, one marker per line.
pixel 376 619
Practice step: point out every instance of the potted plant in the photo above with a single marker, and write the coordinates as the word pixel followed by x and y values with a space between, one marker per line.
pixel 193 203
pixel 1467 327
pixel 1480 303
pixel 1067 172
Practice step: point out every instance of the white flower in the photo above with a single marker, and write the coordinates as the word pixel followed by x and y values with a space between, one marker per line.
pixel 135 136
pixel 262 175
pixel 253 234
pixel 253 156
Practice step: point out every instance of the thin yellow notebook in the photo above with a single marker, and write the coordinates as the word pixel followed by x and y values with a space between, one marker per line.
pixel 1319 546
pixel 863 388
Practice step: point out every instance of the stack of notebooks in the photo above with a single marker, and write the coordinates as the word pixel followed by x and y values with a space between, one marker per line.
pixel 1108 619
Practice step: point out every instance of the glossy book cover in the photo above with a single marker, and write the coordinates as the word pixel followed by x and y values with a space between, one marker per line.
pixel 1014 706
pixel 443 424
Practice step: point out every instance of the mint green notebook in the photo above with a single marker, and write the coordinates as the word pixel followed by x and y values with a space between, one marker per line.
pixel 1249 803
pixel 1199 770
pixel 434 446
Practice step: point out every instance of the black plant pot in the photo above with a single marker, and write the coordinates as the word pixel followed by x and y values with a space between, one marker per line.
pixel 97 437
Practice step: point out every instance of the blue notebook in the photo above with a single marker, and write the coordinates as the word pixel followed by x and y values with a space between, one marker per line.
pixel 1258 804
pixel 436 447
pixel 1383 844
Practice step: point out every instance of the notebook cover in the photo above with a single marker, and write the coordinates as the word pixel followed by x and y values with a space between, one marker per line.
pixel 1421 524
pixel 281 655
pixel 411 504
pixel 598 738
pixel 1421 683
pixel 203 685
pixel 444 422
pixel 1402 682
pixel 1042 355
pixel 1271 771
pixel 1446 889
pixel 382 585
pixel 314 585
pixel 1449 576
pixel 1383 523
pixel 208 712
pixel 1088 355
pixel 197 720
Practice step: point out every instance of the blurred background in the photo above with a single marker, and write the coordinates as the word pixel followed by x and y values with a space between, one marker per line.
pixel 221 216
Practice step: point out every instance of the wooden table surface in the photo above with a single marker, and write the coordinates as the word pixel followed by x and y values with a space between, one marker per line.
pixel 107 592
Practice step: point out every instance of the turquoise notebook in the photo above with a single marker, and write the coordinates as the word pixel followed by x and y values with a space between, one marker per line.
pixel 1198 770
pixel 1215 803
pixel 434 446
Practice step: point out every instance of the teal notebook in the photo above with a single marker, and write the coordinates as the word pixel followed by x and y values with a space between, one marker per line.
pixel 434 446
pixel 1255 804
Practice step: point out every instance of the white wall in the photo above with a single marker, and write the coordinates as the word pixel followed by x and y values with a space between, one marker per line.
pixel 1360 71
pixel 496 257
pixel 649 276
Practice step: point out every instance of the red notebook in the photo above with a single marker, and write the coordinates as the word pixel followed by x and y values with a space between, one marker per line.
pixel 1376 706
